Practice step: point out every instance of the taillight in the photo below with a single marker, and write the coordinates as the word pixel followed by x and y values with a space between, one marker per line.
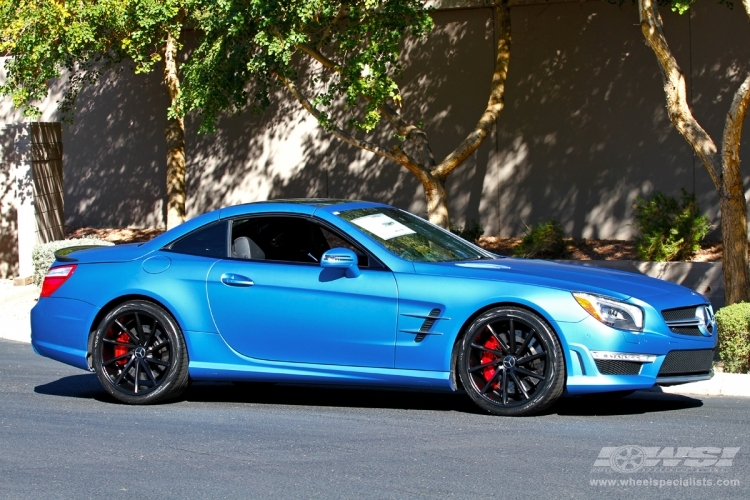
pixel 55 278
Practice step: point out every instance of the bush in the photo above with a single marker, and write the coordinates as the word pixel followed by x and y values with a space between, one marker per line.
pixel 545 239
pixel 668 230
pixel 470 232
pixel 43 255
pixel 734 337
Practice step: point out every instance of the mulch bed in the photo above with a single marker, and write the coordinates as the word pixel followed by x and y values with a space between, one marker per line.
pixel 578 248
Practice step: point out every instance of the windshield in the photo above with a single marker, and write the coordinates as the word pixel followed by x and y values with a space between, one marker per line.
pixel 411 238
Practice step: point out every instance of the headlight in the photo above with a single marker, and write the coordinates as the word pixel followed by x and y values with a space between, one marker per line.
pixel 611 312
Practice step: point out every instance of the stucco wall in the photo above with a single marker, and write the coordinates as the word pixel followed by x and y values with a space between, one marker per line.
pixel 583 133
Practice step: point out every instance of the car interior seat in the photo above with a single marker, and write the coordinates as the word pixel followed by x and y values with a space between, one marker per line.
pixel 245 248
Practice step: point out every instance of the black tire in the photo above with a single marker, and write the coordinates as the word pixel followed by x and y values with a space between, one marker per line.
pixel 511 375
pixel 139 354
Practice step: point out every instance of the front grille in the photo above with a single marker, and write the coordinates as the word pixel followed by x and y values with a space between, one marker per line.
pixel 684 321
pixel 680 314
pixel 687 330
pixel 687 362
pixel 617 367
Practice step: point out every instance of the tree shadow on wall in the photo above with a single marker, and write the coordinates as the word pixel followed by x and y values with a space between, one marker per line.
pixel 284 153
pixel 114 172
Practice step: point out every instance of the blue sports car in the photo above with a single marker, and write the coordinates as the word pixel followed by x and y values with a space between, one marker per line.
pixel 344 292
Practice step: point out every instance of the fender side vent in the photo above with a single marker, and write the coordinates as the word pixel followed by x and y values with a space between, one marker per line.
pixel 427 325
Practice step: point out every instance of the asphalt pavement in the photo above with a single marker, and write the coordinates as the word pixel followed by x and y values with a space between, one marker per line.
pixel 61 436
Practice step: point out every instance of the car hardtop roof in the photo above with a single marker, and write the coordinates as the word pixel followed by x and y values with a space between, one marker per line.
pixel 320 202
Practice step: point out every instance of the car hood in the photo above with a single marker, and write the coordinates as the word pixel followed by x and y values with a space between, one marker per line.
pixel 570 277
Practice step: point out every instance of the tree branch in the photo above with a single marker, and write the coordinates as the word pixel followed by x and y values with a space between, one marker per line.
pixel 496 102
pixel 336 130
pixel 676 93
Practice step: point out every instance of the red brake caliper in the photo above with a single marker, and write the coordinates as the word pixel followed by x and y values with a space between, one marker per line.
pixel 121 350
pixel 487 357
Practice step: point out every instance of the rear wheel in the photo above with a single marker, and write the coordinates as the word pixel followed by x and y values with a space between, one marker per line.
pixel 139 354
pixel 511 363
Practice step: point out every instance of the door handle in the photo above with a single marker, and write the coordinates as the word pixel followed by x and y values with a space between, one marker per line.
pixel 232 279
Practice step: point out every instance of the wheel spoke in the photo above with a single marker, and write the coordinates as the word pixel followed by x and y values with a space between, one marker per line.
pixel 156 361
pixel 529 359
pixel 139 328
pixel 529 374
pixel 512 338
pixel 505 387
pixel 118 358
pixel 148 371
pixel 491 381
pixel 499 340
pixel 137 375
pixel 124 344
pixel 123 372
pixel 519 385
pixel 485 349
pixel 486 365
pixel 158 347
pixel 125 330
pixel 526 341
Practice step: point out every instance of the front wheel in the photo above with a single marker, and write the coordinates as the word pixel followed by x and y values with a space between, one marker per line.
pixel 511 363
pixel 139 354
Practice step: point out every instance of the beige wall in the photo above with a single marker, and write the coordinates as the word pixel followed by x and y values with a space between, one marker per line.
pixel 584 131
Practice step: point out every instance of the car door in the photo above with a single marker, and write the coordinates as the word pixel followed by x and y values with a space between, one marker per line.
pixel 273 301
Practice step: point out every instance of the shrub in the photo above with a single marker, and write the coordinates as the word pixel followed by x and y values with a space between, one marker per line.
pixel 734 337
pixel 470 232
pixel 545 239
pixel 43 255
pixel 668 229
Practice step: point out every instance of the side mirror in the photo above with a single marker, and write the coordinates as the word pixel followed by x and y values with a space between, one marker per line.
pixel 341 258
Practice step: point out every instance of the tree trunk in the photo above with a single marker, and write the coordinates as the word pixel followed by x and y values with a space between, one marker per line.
pixel 733 203
pixel 724 169
pixel 175 136
pixel 437 200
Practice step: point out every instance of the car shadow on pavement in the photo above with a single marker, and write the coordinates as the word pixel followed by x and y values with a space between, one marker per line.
pixel 329 396
pixel 86 386
pixel 637 403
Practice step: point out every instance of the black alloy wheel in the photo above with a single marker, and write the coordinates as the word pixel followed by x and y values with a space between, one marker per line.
pixel 511 363
pixel 139 354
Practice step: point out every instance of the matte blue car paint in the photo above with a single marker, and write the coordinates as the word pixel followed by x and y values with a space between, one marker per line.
pixel 377 332
pixel 56 329
pixel 305 313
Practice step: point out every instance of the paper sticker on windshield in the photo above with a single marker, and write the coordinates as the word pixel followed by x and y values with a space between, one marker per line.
pixel 382 226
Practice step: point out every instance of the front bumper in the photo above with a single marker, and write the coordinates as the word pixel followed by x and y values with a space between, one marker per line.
pixel 667 358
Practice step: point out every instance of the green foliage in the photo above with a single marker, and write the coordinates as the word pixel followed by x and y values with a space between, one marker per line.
pixel 43 255
pixel 543 240
pixel 249 43
pixel 470 232
pixel 81 39
pixel 668 229
pixel 734 337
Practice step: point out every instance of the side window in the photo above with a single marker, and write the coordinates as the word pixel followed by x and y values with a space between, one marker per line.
pixel 279 238
pixel 286 239
pixel 208 241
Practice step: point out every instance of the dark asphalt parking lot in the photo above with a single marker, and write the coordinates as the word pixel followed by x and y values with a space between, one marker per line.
pixel 61 436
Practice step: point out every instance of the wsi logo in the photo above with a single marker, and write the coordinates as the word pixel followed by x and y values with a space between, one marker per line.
pixel 633 458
